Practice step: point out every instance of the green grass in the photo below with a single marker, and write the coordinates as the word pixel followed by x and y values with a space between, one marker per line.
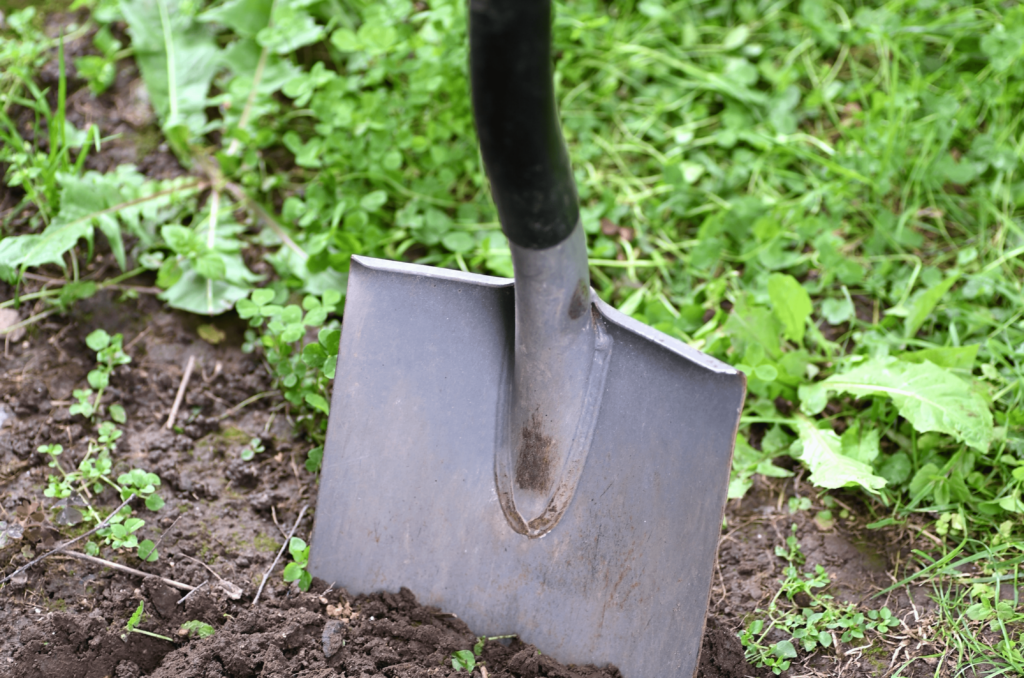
pixel 827 195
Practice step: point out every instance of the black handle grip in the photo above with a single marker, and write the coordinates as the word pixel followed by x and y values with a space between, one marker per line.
pixel 517 120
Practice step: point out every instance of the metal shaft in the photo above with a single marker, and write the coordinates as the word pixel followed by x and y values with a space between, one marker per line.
pixel 555 338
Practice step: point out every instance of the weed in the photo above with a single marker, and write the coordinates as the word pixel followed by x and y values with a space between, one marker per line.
pixel 254 447
pixel 827 196
pixel 197 629
pixel 301 370
pixel 135 620
pixel 296 570
pixel 816 622
pixel 463 660
pixel 94 472
pixel 467 660
pixel 109 355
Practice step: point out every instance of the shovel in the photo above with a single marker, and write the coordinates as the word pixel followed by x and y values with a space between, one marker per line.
pixel 523 455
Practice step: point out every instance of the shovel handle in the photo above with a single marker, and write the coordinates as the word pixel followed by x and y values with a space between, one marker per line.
pixel 517 121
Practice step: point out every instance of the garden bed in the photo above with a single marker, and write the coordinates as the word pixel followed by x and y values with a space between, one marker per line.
pixel 233 469
pixel 227 518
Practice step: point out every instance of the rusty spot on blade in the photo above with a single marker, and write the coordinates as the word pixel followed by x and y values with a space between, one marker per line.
pixel 536 457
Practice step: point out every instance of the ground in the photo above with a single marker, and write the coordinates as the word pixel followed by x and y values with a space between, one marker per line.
pixel 225 517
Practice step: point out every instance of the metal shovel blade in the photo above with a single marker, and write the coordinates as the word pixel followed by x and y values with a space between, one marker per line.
pixel 408 488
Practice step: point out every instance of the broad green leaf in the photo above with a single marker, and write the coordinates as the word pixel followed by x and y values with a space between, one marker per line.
pixel 298 549
pixel 292 571
pixel 262 296
pixel 926 303
pixel 750 325
pixel 97 340
pixel 136 617
pixel 791 304
pixel 148 551
pixel 318 402
pixel 290 28
pixel 953 357
pixel 896 468
pixel 244 17
pixel 211 266
pixel 314 355
pixel 177 57
pixel 170 272
pixel 330 339
pixel 371 202
pixel 929 397
pixel 784 650
pixel 860 444
pixel 201 629
pixel 747 461
pixel 98 379
pixel 837 311
pixel 924 475
pixel 192 293
pixel 182 240
pixel 117 413
pixel 821 451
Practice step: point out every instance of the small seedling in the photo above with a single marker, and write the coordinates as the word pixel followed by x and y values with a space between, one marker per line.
pixel 296 570
pixel 470 659
pixel 58 487
pixel 143 484
pixel 197 629
pixel 314 458
pixel 254 447
pixel 135 620
pixel 463 660
pixel 791 551
pixel 301 372
pixel 109 355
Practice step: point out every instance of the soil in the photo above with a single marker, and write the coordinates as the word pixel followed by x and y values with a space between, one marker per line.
pixel 225 519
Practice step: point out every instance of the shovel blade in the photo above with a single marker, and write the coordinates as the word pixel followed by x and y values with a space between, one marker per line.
pixel 407 492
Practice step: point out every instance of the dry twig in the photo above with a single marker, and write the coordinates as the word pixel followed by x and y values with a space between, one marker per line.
pixel 279 554
pixel 60 549
pixel 185 597
pixel 181 392
pixel 128 570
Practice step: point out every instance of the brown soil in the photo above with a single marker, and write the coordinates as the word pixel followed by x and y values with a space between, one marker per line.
pixel 225 518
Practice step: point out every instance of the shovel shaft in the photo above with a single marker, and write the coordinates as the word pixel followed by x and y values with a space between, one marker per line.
pixel 561 351
pixel 517 120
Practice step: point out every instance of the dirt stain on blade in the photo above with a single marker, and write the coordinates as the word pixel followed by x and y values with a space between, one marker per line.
pixel 536 457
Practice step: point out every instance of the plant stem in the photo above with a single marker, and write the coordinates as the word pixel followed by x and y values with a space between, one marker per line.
pixel 248 401
pixel 153 635
pixel 250 100
pixel 211 241
pixel 240 195
pixel 172 71
pixel 66 544
pixel 279 554
pixel 30 320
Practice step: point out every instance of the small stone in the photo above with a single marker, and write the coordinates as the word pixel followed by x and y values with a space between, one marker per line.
pixel 231 590
pixel 333 637
pixel 8 318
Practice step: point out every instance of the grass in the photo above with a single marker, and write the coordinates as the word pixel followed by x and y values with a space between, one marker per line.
pixel 828 195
